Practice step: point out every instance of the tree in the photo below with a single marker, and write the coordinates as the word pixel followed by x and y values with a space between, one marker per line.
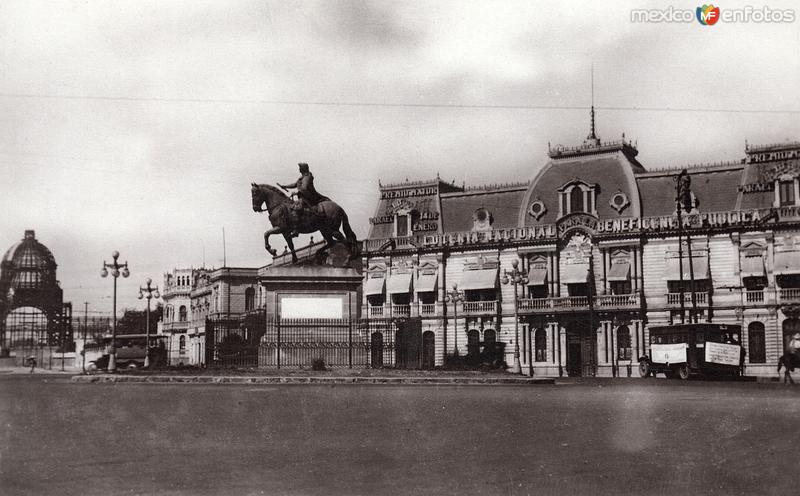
pixel 134 321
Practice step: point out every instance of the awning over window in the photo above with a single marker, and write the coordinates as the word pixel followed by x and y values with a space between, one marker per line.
pixel 537 277
pixel 398 283
pixel 478 279
pixel 753 267
pixel 374 286
pixel 672 272
pixel 619 272
pixel 575 273
pixel 787 262
pixel 426 283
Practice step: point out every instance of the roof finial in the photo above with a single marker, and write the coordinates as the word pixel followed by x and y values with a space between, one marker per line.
pixel 592 138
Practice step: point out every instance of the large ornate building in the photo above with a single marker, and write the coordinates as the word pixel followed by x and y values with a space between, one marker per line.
pixel 595 235
pixel 193 295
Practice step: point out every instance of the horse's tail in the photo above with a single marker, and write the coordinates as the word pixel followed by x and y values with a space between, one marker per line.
pixel 352 239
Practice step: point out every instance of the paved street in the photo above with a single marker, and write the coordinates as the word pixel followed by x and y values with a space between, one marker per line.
pixel 592 437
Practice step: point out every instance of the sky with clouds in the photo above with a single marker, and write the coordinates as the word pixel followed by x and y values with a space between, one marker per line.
pixel 138 126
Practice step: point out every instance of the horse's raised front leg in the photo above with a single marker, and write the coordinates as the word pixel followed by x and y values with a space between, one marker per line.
pixel 275 230
pixel 288 237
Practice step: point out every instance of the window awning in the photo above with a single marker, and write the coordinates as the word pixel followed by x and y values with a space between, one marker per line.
pixel 374 286
pixel 619 272
pixel 478 279
pixel 575 273
pixel 537 277
pixel 699 264
pixel 426 283
pixel 398 283
pixel 787 262
pixel 753 267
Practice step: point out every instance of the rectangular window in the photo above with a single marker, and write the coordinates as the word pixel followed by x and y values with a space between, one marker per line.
pixel 786 193
pixel 621 287
pixel 578 289
pixel 754 283
pixel 538 291
pixel 402 225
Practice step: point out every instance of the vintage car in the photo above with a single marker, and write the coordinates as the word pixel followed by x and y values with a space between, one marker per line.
pixel 683 350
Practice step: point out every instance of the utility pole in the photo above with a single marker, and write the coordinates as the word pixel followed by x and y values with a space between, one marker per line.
pixel 85 329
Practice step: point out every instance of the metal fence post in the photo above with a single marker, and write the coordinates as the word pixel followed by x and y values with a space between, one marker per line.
pixel 350 343
pixel 278 346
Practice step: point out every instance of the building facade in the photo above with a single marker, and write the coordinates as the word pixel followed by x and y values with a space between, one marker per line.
pixel 193 295
pixel 600 255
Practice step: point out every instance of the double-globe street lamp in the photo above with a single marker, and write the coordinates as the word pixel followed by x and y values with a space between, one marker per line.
pixel 515 277
pixel 115 272
pixel 148 292
pixel 454 296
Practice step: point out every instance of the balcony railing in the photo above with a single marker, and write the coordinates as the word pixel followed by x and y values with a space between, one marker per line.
pixel 754 297
pixel 558 303
pixel 375 310
pixel 789 295
pixel 674 299
pixel 401 310
pixel 175 326
pixel 427 309
pixel 617 301
pixel 479 307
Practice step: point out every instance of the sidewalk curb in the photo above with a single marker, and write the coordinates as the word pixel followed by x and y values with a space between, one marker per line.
pixel 106 378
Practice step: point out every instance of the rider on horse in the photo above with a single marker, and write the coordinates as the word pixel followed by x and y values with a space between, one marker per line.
pixel 307 196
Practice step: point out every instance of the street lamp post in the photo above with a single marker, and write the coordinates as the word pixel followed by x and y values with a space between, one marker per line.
pixel 454 296
pixel 115 272
pixel 148 292
pixel 515 277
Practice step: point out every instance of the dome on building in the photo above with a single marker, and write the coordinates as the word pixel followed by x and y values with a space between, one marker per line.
pixel 28 264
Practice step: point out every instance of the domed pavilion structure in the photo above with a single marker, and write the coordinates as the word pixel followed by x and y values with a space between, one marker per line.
pixel 34 320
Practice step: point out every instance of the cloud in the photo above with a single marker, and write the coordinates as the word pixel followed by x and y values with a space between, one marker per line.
pixel 157 177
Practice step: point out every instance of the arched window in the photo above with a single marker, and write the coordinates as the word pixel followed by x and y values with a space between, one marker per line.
pixel 756 343
pixel 182 344
pixel 576 200
pixel 540 345
pixel 578 196
pixel 182 313
pixel 624 343
pixel 249 299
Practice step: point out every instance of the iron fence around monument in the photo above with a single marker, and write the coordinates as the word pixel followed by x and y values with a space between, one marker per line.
pixel 329 343
pixel 270 342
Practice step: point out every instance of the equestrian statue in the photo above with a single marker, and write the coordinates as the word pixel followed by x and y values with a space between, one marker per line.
pixel 310 212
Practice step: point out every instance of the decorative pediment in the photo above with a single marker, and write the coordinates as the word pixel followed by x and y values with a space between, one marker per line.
pixel 577 182
pixel 481 262
pixel 428 267
pixel 377 270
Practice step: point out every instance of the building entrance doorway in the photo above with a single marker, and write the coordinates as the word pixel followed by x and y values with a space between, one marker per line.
pixel 408 343
pixel 581 350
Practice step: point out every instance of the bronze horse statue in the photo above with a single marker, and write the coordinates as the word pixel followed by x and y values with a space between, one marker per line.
pixel 326 218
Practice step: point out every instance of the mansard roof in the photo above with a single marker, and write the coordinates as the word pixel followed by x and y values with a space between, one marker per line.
pixel 609 168
pixel 715 187
pixel 502 202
